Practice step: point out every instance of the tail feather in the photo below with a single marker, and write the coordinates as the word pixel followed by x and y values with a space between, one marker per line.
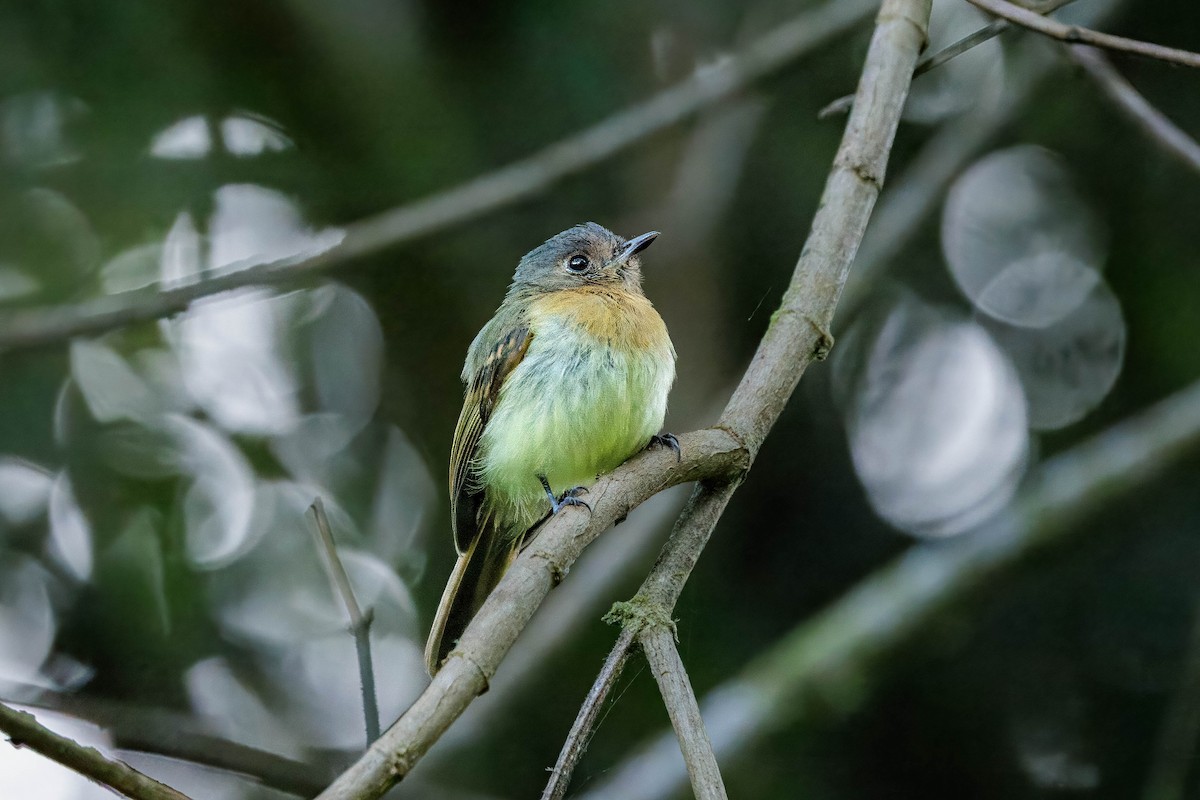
pixel 477 572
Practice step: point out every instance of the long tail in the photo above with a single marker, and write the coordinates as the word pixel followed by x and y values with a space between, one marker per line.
pixel 477 572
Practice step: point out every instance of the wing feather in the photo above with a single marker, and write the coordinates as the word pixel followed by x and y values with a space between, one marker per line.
pixel 483 390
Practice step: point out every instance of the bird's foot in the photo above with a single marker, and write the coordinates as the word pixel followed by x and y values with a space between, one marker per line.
pixel 666 440
pixel 569 498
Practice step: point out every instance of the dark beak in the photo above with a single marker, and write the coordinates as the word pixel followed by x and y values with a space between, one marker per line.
pixel 636 245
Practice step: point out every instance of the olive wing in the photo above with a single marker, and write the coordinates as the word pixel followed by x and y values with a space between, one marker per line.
pixel 483 391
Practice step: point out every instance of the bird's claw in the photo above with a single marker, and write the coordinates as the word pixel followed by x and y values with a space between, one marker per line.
pixel 569 498
pixel 666 440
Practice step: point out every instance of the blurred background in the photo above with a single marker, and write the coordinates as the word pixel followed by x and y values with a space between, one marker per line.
pixel 1029 279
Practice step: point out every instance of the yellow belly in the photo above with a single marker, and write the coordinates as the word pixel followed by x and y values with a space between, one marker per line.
pixel 576 406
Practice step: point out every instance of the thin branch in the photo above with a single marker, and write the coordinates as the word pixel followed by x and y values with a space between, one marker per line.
pixel 826 664
pixel 518 181
pixel 587 719
pixel 658 643
pixel 1156 125
pixel 968 42
pixel 24 731
pixel 179 736
pixel 952 51
pixel 1074 34
pixel 360 623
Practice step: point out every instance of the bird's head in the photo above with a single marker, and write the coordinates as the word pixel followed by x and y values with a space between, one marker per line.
pixel 585 255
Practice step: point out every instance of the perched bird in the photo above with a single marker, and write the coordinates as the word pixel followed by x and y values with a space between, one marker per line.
pixel 568 380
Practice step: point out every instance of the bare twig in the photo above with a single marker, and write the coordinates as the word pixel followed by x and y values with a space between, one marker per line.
pixel 24 731
pixel 952 51
pixel 822 666
pixel 968 42
pixel 179 736
pixel 1161 130
pixel 465 202
pixel 360 622
pixel 658 643
pixel 1074 34
pixel 587 719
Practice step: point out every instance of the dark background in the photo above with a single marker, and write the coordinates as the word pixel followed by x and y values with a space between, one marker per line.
pixel 1053 681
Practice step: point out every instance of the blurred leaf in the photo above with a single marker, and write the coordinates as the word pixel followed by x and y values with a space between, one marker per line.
pixel 320 679
pixel 135 268
pixel 180 260
pixel 15 284
pixel 27 620
pixel 250 136
pixel 405 496
pixel 59 221
pixel 32 129
pixel 112 390
pixel 188 138
pixel 235 711
pixel 230 349
pixel 138 551
pixel 310 450
pixel 70 532
pixel 147 453
pixel 219 502
pixel 347 354
pixel 253 224
pixel 24 490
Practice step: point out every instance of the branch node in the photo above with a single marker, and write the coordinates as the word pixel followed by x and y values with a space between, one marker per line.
pixel 864 172
pixel 558 573
pixel 398 764
pixel 824 340
pixel 484 675
pixel 639 614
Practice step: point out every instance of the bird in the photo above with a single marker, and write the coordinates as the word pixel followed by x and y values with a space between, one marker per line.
pixel 567 380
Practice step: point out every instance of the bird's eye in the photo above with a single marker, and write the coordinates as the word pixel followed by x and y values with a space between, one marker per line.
pixel 577 263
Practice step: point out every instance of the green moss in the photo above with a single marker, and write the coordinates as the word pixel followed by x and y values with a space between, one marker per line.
pixel 639 613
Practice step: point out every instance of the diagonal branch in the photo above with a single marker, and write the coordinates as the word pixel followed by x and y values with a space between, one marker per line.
pixel 1074 34
pixel 159 731
pixel 522 179
pixel 24 731
pixel 1155 124
pixel 588 718
pixel 658 643
pixel 824 664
